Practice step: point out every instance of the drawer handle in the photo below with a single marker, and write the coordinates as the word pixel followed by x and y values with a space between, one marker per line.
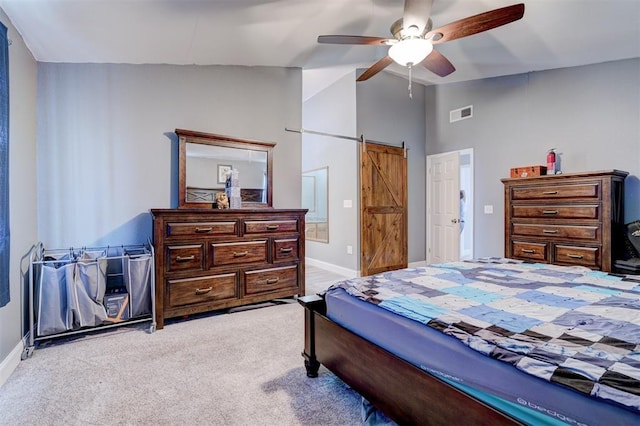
pixel 203 230
pixel 575 256
pixel 203 290
pixel 528 251
pixel 286 250
pixel 272 280
pixel 549 211
pixel 549 192
pixel 185 258
pixel 273 227
pixel 549 231
pixel 240 254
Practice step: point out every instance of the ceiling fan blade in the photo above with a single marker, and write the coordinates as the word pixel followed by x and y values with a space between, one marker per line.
pixel 351 39
pixel 375 68
pixel 477 23
pixel 438 64
pixel 416 13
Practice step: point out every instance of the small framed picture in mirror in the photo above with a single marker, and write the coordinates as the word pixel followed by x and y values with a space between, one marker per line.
pixel 223 170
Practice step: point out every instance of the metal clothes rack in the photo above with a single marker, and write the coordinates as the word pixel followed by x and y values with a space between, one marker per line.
pixel 114 278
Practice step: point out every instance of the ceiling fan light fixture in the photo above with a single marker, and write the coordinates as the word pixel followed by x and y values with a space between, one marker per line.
pixel 410 51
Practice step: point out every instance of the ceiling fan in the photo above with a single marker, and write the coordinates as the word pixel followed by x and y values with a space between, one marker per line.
pixel 413 37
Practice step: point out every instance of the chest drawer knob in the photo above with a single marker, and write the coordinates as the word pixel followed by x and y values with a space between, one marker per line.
pixel 185 258
pixel 203 290
pixel 528 251
pixel 549 231
pixel 549 211
pixel 575 256
pixel 240 254
pixel 549 192
pixel 286 250
pixel 272 280
pixel 272 227
pixel 203 230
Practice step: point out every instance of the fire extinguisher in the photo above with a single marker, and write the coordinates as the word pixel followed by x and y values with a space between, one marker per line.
pixel 551 161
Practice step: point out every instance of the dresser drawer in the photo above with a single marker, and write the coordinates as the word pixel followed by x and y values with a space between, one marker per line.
pixel 584 256
pixel 284 250
pixel 531 251
pixel 238 253
pixel 553 192
pixel 588 233
pixel 185 258
pixel 271 280
pixel 590 211
pixel 202 289
pixel 266 226
pixel 199 229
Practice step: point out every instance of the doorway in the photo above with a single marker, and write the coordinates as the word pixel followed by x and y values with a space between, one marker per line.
pixel 450 201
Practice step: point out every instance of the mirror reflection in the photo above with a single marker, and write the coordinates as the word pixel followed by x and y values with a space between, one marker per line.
pixel 207 160
pixel 315 197
pixel 209 166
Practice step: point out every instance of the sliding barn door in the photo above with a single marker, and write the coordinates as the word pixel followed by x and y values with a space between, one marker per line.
pixel 383 203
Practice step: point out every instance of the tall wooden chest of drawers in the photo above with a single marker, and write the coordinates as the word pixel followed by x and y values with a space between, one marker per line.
pixel 214 259
pixel 566 219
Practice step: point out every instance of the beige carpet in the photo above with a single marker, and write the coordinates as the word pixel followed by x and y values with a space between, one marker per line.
pixel 240 368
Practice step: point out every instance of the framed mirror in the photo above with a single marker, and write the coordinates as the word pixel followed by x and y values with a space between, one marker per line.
pixel 206 160
pixel 315 198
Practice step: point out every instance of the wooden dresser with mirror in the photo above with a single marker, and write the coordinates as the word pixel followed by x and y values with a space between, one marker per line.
pixel 209 258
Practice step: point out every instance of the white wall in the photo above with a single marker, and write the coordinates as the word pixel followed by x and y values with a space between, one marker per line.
pixel 22 190
pixel 106 149
pixel 591 114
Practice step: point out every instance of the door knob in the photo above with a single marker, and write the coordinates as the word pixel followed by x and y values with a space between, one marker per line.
pixel 454 220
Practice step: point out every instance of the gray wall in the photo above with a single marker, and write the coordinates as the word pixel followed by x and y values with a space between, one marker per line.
pixel 106 148
pixel 591 114
pixel 387 114
pixel 22 190
pixel 379 109
pixel 334 111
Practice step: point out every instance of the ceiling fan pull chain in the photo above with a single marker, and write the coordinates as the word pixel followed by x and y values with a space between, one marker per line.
pixel 410 65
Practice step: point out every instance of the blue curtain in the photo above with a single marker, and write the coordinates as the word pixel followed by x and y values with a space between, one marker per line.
pixel 4 166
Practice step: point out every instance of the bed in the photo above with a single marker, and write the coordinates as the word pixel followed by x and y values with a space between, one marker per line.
pixel 490 341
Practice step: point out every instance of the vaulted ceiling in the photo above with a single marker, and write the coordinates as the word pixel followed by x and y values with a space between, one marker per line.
pixel 283 33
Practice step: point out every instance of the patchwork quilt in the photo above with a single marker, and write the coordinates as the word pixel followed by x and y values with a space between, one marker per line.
pixel 569 325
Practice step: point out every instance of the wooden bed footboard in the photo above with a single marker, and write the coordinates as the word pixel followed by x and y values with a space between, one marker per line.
pixel 405 393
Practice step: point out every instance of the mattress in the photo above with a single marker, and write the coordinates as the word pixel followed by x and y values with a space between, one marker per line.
pixel 499 384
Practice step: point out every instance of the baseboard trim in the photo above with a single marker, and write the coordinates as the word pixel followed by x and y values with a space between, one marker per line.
pixel 332 268
pixel 346 271
pixel 10 363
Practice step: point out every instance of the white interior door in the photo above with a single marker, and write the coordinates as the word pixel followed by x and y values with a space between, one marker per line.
pixel 443 207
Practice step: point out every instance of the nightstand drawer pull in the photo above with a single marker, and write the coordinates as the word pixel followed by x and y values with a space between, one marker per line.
pixel 272 227
pixel 550 192
pixel 272 280
pixel 203 290
pixel 549 211
pixel 549 231
pixel 240 254
pixel 528 251
pixel 286 250
pixel 575 256
pixel 203 230
pixel 185 258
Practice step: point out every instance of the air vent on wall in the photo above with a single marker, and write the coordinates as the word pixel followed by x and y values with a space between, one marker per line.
pixel 460 113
